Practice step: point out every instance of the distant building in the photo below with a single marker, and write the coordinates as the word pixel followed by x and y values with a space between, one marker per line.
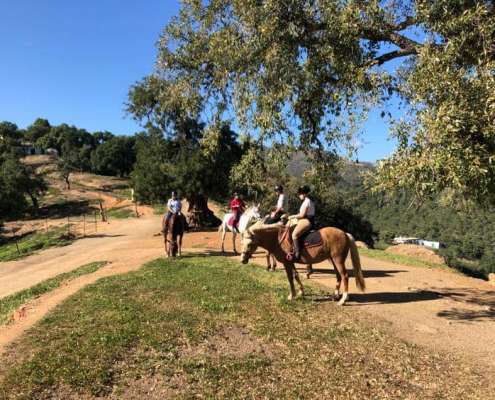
pixel 420 242
pixel 29 149
pixel 405 240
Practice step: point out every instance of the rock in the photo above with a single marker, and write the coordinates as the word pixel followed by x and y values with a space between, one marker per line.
pixel 491 279
pixel 362 245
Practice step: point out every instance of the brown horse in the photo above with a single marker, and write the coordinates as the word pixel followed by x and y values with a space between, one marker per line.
pixel 335 247
pixel 173 233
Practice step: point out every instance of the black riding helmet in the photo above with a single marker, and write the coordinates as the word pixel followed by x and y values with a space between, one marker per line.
pixel 174 193
pixel 303 190
pixel 279 188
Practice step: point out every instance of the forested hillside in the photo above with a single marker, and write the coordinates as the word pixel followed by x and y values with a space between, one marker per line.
pixel 468 234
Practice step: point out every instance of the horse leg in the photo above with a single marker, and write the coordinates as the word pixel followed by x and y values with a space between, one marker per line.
pixel 309 270
pixel 301 288
pixel 338 276
pixel 345 277
pixel 165 243
pixel 274 262
pixel 223 237
pixel 233 241
pixel 290 277
pixel 180 245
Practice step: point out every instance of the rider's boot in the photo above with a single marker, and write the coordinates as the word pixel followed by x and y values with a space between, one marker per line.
pixel 297 253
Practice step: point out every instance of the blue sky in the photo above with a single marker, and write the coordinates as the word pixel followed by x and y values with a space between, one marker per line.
pixel 73 62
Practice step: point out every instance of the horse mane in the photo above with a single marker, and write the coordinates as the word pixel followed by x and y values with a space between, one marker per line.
pixel 260 226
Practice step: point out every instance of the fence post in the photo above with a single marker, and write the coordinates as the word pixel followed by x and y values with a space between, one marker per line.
pixel 15 240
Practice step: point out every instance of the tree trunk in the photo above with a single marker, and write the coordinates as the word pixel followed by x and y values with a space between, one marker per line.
pixel 34 200
pixel 200 215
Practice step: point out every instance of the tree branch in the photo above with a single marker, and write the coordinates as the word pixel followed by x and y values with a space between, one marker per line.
pixel 390 56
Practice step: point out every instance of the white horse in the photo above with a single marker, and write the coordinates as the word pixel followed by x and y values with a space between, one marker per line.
pixel 251 215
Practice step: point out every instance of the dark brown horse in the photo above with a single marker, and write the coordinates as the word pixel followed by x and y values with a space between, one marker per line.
pixel 335 247
pixel 173 233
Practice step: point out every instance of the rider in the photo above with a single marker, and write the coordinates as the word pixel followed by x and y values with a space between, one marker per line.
pixel 237 207
pixel 281 207
pixel 174 207
pixel 304 220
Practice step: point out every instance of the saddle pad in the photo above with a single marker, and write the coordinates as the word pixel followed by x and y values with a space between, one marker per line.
pixel 312 239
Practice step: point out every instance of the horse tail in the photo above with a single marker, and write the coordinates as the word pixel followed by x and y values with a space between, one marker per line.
pixel 356 264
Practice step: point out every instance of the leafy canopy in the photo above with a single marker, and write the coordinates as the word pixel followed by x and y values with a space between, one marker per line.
pixel 291 70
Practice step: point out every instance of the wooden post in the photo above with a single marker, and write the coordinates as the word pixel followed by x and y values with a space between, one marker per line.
pixel 15 240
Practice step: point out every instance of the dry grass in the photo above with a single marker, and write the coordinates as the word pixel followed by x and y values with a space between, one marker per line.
pixel 212 328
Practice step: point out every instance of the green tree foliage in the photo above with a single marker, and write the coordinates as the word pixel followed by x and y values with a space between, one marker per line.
pixel 38 129
pixel 115 156
pixel 291 69
pixel 10 137
pixel 197 163
pixel 17 181
pixel 151 177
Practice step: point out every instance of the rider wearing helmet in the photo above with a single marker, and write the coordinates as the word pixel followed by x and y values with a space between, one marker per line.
pixel 281 207
pixel 304 220
pixel 237 207
pixel 174 207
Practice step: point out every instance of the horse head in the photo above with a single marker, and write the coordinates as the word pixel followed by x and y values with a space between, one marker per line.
pixel 249 245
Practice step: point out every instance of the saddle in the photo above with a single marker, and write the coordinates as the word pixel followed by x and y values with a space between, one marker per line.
pixel 310 241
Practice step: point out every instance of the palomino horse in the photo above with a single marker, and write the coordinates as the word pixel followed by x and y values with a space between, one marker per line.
pixel 335 247
pixel 248 217
pixel 172 236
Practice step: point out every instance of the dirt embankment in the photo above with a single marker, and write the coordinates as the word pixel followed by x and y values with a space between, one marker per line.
pixel 419 252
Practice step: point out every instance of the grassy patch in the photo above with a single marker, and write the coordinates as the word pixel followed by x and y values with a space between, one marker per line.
pixel 120 213
pixel 159 209
pixel 32 242
pixel 212 328
pixel 125 193
pixel 399 258
pixel 11 303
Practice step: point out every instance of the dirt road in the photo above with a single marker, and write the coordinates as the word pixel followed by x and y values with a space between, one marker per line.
pixel 438 309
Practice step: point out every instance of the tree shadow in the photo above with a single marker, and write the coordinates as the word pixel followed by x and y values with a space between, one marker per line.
pixel 367 273
pixel 66 209
pixel 394 297
pixel 101 235
pixel 484 300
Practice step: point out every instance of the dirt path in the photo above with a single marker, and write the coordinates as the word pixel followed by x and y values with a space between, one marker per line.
pixel 438 309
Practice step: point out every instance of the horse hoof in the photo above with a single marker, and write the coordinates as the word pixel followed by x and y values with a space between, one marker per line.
pixel 290 297
pixel 300 294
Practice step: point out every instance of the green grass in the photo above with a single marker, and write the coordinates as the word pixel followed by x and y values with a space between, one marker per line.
pixel 11 303
pixel 32 242
pixel 215 329
pixel 125 193
pixel 159 209
pixel 120 213
pixel 399 258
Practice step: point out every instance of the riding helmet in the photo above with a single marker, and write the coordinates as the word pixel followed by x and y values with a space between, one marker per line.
pixel 174 193
pixel 279 188
pixel 303 190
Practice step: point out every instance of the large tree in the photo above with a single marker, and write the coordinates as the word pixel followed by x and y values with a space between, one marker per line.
pixel 115 156
pixel 290 70
pixel 194 162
